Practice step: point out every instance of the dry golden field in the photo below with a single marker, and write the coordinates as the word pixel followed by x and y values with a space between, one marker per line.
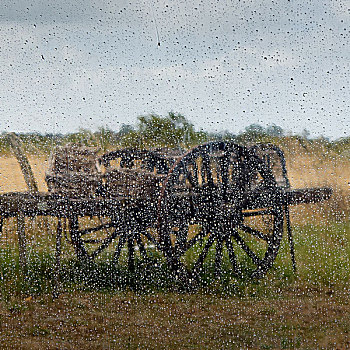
pixel 11 177
pixel 318 167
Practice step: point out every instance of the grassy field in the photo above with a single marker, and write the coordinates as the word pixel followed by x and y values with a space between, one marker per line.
pixel 295 320
pixel 100 308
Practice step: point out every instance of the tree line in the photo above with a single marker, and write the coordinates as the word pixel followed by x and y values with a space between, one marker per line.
pixel 172 130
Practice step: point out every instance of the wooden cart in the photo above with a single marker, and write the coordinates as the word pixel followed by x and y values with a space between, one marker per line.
pixel 218 202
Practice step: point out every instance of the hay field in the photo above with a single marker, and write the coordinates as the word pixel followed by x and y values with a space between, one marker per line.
pixel 316 166
pixel 11 177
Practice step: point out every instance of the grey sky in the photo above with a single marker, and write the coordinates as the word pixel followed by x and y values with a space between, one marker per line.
pixel 73 64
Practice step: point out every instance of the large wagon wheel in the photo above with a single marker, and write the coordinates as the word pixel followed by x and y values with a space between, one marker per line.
pixel 221 199
pixel 134 203
pixel 125 230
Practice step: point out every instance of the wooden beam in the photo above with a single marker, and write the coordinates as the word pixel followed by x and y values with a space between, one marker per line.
pixel 16 146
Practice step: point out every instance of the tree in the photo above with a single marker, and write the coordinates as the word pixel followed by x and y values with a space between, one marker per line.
pixel 173 130
pixel 274 131
pixel 125 129
pixel 106 137
pixel 305 134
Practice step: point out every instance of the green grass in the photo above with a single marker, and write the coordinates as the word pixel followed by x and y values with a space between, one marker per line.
pixel 322 254
pixel 104 306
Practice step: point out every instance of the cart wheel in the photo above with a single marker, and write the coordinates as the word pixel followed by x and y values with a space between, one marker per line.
pixel 126 234
pixel 113 237
pixel 220 204
pixel 135 239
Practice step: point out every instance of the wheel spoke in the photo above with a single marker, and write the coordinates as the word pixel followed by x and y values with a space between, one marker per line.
pixel 218 257
pixel 254 232
pixel 181 178
pixel 199 263
pixel 105 243
pixel 232 257
pixel 121 242
pixel 245 247
pixel 92 240
pixel 195 172
pixel 1 224
pixel 151 238
pixel 141 246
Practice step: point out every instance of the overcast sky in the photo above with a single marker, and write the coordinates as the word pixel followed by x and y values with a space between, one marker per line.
pixel 73 64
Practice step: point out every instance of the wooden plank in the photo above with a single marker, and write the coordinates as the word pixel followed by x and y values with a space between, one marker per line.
pixel 60 206
pixel 308 195
pixel 23 162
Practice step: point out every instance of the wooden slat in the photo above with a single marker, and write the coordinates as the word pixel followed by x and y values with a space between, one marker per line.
pixel 23 162
pixel 308 195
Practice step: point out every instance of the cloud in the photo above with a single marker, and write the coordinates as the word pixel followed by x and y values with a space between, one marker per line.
pixel 75 63
pixel 63 11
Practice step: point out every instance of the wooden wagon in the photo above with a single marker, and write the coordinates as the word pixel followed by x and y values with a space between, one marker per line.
pixel 216 200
